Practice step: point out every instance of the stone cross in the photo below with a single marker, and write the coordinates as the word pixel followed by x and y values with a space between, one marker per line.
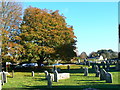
pixel 108 77
pixel 46 74
pixel 55 76
pixel 49 81
pixel 32 73
pixel 85 71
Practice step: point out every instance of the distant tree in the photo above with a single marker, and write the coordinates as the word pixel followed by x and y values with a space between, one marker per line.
pixel 44 34
pixel 83 55
pixel 93 54
pixel 10 14
pixel 109 54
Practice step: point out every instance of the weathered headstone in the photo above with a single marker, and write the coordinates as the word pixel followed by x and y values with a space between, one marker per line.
pixel 32 73
pixel 117 67
pixel 46 74
pixel 85 71
pixel 102 74
pixel 96 68
pixel 49 81
pixel 55 76
pixel 88 64
pixel 54 68
pixel 12 73
pixel 107 66
pixel 97 74
pixel 68 67
pixel 4 77
pixel 93 66
pixel 108 78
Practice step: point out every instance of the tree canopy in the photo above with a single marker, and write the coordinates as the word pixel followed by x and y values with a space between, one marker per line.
pixel 45 34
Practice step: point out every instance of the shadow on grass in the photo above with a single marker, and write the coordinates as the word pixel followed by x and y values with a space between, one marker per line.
pixel 65 87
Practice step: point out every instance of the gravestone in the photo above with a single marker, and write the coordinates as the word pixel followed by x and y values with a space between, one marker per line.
pixel 85 71
pixel 88 64
pixel 54 68
pixel 58 69
pixel 4 77
pixel 102 74
pixel 108 78
pixel 93 66
pixel 55 76
pixel 103 64
pixel 32 73
pixel 96 68
pixel 117 67
pixel 12 73
pixel 49 81
pixel 46 74
pixel 68 67
pixel 97 74
pixel 107 66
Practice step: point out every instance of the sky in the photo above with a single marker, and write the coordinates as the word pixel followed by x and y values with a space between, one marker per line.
pixel 95 23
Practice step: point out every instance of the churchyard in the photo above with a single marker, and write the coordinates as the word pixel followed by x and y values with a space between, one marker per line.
pixel 66 76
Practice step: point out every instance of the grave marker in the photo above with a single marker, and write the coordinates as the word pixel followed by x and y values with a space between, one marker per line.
pixel 108 77
pixel 85 71
pixel 49 81
pixel 46 74
pixel 55 76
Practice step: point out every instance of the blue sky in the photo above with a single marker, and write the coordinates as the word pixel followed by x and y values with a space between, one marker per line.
pixel 95 23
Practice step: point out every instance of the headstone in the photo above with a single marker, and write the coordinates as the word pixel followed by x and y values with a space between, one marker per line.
pixel 12 73
pixel 93 66
pixel 46 74
pixel 58 69
pixel 117 65
pixel 85 71
pixel 49 81
pixel 32 73
pixel 55 76
pixel 107 66
pixel 88 64
pixel 68 67
pixel 108 78
pixel 96 68
pixel 4 77
pixel 97 74
pixel 54 68
pixel 102 74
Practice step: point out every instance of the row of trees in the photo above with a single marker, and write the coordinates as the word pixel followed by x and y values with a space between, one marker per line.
pixel 109 54
pixel 39 35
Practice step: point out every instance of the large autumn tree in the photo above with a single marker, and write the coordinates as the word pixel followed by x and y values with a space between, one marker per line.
pixel 44 34
pixel 10 14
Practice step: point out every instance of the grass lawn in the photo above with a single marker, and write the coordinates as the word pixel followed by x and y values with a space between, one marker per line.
pixel 24 80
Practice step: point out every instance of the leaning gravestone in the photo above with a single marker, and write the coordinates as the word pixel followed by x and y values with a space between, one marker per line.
pixel 49 81
pixel 55 76
pixel 108 77
pixel 85 71
pixel 46 74
pixel 102 74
